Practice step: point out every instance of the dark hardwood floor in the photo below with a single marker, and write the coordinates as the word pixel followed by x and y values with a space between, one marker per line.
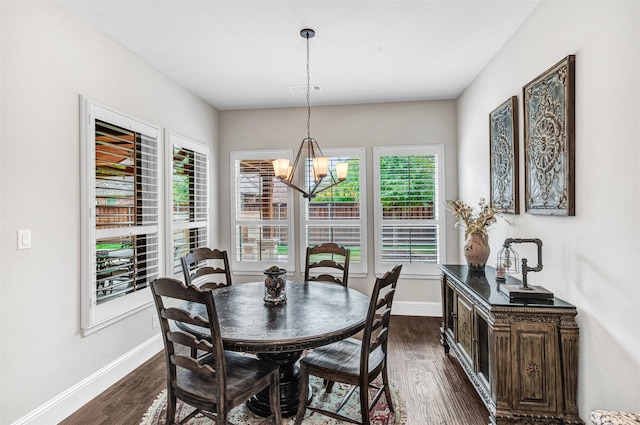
pixel 433 386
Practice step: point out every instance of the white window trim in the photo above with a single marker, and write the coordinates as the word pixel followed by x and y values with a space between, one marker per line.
pixel 257 267
pixel 93 316
pixel 174 139
pixel 411 271
pixel 355 270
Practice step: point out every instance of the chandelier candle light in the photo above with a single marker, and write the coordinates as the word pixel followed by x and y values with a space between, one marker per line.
pixel 320 164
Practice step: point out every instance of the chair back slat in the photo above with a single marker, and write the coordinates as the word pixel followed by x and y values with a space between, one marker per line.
pixel 327 263
pixel 196 265
pixel 187 362
pixel 328 256
pixel 188 340
pixel 179 315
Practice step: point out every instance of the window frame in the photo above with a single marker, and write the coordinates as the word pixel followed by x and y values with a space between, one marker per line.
pixel 411 270
pixel 257 267
pixel 96 316
pixel 173 140
pixel 355 269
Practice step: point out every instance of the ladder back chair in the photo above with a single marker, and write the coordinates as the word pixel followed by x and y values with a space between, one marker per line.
pixel 217 381
pixel 196 265
pixel 328 255
pixel 354 362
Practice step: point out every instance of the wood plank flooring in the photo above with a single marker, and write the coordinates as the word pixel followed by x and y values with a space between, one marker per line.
pixel 433 386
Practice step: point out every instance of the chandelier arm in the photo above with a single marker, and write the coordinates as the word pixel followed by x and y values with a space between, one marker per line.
pixel 335 182
pixel 292 186
pixel 313 191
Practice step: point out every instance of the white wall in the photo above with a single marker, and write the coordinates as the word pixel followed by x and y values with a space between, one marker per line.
pixel 407 123
pixel 49 57
pixel 591 259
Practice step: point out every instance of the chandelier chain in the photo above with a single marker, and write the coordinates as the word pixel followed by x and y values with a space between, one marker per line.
pixel 308 92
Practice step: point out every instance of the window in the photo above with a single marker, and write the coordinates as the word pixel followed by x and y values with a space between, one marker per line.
pixel 338 214
pixel 408 183
pixel 261 213
pixel 120 225
pixel 189 198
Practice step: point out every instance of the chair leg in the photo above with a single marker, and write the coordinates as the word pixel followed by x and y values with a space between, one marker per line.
pixel 274 398
pixel 171 408
pixel 304 393
pixel 387 389
pixel 328 385
pixel 364 402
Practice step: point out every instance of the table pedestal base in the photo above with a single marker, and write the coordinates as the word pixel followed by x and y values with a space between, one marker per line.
pixel 289 385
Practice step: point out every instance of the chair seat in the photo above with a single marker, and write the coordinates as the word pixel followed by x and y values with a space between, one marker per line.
pixel 241 370
pixel 342 357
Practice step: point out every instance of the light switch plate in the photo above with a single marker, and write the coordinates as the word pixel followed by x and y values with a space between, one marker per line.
pixel 24 239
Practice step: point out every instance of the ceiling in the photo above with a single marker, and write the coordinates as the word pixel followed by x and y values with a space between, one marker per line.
pixel 240 54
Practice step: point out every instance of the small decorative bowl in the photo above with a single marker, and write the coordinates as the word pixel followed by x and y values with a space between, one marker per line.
pixel 275 283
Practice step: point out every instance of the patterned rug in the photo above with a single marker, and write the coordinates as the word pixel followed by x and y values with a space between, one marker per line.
pixel 241 415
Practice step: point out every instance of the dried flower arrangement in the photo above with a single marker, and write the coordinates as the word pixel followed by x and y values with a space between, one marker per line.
pixel 473 221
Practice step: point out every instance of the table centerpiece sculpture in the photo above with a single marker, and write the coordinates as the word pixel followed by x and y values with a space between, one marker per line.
pixel 275 282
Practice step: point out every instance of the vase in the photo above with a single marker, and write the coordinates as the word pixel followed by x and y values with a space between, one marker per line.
pixel 476 250
pixel 275 287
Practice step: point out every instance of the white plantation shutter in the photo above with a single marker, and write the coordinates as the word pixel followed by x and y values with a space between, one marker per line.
pixel 262 213
pixel 189 199
pixel 338 214
pixel 120 243
pixel 408 185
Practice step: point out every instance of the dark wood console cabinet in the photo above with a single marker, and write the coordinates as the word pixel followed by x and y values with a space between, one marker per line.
pixel 522 357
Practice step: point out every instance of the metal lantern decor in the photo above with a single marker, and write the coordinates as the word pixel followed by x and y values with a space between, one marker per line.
pixel 309 151
pixel 507 262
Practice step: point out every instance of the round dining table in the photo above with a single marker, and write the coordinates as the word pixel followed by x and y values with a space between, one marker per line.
pixel 314 314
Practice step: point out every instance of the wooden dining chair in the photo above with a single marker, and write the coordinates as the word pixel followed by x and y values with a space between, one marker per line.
pixel 356 362
pixel 328 255
pixel 216 382
pixel 197 263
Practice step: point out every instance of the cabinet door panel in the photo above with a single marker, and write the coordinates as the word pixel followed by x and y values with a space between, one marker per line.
pixel 535 375
pixel 464 334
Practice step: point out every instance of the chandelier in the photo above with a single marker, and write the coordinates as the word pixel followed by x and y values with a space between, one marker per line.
pixel 309 153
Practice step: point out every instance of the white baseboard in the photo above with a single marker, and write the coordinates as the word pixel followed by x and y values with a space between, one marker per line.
pixel 61 406
pixel 414 308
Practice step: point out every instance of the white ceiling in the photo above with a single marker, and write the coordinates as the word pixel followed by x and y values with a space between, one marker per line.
pixel 240 54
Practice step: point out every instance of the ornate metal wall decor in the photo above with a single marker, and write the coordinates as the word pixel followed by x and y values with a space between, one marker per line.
pixel 549 140
pixel 503 136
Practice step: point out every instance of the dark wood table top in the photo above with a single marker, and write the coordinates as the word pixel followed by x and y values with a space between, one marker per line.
pixel 316 313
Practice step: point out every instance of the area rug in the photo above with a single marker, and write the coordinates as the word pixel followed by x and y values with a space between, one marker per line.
pixel 241 415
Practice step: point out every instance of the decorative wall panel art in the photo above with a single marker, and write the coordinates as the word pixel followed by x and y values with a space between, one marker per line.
pixel 503 136
pixel 549 140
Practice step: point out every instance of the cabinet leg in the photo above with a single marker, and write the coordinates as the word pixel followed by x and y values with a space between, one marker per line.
pixel 445 344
